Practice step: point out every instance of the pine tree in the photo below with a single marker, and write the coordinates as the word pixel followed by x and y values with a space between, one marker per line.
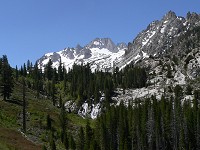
pixel 0 64
pixel 169 72
pixel 24 70
pixel 88 136
pixel 198 129
pixel 72 144
pixel 16 73
pixel 65 80
pixel 48 126
pixel 52 142
pixel 63 122
pixel 81 139
pixel 53 94
pixel 6 80
pixel 189 90
pixel 66 141
pixel 44 147
pixel 36 79
pixel 49 70
pixel 60 101
pixel 103 139
pixel 60 71
pixel 96 93
pixel 28 65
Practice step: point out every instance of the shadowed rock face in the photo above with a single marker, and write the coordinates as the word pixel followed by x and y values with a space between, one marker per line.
pixel 192 18
pixel 53 56
pixel 86 52
pixel 101 43
pixel 68 53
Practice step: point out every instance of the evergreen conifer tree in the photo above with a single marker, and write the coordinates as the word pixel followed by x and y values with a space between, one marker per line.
pixel 6 80
pixel 16 73
pixel 81 139
pixel 88 136
pixel 49 70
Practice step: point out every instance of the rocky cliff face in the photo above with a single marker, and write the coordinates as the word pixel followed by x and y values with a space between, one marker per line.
pixel 160 37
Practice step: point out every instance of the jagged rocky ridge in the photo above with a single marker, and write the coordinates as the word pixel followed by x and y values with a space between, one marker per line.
pixel 159 37
pixel 169 49
pixel 99 53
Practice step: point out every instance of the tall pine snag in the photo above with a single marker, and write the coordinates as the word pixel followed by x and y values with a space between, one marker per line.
pixel 24 106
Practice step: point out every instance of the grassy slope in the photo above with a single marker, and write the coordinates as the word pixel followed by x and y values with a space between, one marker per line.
pixel 11 121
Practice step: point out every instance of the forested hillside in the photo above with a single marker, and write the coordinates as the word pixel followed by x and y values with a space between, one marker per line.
pixel 32 102
pixel 38 98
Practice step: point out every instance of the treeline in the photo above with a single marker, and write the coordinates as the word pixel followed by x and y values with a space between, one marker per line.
pixel 148 124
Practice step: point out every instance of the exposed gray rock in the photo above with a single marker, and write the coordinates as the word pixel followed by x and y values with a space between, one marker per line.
pixel 68 53
pixel 192 18
pixel 121 45
pixel 86 52
pixel 78 49
pixel 103 43
pixel 160 37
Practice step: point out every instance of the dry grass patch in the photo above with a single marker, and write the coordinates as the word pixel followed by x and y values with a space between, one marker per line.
pixel 15 140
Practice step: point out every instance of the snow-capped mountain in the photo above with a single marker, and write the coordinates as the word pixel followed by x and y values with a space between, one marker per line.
pixel 160 38
pixel 101 54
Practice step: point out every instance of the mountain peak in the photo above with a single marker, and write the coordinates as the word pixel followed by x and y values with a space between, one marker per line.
pixel 78 48
pixel 121 45
pixel 101 53
pixel 101 43
pixel 170 15
pixel 192 17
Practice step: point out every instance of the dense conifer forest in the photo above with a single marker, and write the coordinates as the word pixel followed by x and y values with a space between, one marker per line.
pixel 146 123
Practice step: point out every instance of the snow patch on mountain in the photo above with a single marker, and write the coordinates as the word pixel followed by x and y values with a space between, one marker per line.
pixel 100 54
pixel 148 37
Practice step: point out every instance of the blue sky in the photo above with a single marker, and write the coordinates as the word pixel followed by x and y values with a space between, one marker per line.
pixel 31 28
